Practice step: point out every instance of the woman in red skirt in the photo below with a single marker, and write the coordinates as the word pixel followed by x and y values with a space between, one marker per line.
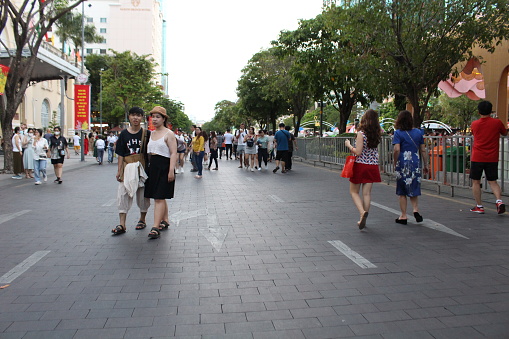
pixel 365 170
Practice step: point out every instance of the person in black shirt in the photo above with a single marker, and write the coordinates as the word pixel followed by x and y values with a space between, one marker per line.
pixel 131 149
pixel 58 150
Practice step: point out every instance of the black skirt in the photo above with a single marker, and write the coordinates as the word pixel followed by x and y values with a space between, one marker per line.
pixel 157 185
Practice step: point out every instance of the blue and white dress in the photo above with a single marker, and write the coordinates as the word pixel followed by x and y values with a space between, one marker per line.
pixel 408 166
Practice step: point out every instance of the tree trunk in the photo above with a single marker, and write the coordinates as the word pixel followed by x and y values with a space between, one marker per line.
pixel 414 100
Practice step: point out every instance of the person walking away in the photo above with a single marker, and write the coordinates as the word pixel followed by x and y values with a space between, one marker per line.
pixel 207 148
pixel 213 149
pixel 28 153
pixel 292 145
pixel 40 146
pixel 250 141
pixel 100 144
pixel 241 145
pixel 181 151
pixel 408 145
pixel 76 143
pixel 220 144
pixel 271 145
pixel 366 170
pixel 17 155
pixel 198 145
pixel 484 158
pixel 281 139
pixel 91 142
pixel 59 150
pixel 85 143
pixel 193 135
pixel 262 141
pixel 162 147
pixel 110 142
pixel 131 149
pixel 48 134
pixel 228 143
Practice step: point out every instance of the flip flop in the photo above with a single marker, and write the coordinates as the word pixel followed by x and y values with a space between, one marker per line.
pixel 141 225
pixel 362 222
pixel 154 233
pixel 119 229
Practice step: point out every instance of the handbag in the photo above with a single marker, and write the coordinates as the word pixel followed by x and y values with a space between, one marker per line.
pixel 347 171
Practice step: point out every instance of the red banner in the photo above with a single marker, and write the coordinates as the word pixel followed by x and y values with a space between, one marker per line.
pixel 81 107
pixel 4 70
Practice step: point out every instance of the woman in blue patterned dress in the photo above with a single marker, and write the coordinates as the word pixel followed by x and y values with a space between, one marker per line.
pixel 408 145
pixel 366 170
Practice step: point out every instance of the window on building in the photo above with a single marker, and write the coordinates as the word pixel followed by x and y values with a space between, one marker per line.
pixel 103 20
pixel 103 51
pixel 90 51
pixel 104 41
pixel 102 30
pixel 45 113
pixel 90 19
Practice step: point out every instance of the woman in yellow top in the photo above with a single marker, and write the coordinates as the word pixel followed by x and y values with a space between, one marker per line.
pixel 198 151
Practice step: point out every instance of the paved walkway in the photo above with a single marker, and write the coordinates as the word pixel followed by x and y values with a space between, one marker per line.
pixel 248 255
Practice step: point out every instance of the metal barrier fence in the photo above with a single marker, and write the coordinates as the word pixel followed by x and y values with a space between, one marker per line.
pixel 448 156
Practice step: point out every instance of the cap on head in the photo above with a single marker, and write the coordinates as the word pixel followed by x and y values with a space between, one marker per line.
pixel 136 111
pixel 159 110
pixel 485 108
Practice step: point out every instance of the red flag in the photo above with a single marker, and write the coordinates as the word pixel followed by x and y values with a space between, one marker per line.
pixel 4 70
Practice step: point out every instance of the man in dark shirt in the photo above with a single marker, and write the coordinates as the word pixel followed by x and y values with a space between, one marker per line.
pixel 281 139
pixel 131 148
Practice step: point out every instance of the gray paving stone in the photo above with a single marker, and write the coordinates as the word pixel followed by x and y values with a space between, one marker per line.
pixel 57 334
pixel 35 325
pixel 293 324
pixel 106 333
pixel 251 326
pixel 200 329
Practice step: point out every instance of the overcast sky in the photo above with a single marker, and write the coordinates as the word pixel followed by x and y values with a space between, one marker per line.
pixel 209 42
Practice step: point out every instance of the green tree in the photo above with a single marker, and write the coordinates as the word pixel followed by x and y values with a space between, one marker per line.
pixel 30 21
pixel 69 29
pixel 415 44
pixel 456 112
pixel 332 65
pixel 129 81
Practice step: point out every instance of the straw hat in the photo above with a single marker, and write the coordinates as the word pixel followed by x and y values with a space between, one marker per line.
pixel 159 110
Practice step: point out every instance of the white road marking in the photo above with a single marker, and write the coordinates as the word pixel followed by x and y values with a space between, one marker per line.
pixel 276 198
pixel 250 179
pixel 426 222
pixel 352 255
pixel 214 233
pixel 110 202
pixel 7 217
pixel 21 268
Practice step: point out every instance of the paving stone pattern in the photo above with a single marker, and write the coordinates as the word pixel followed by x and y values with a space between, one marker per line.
pixel 248 259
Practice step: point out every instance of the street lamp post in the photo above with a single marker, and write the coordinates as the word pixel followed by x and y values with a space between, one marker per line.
pixel 101 99
pixel 82 141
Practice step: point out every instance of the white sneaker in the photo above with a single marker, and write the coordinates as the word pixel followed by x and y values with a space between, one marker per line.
pixel 44 177
pixel 266 167
pixel 259 168
pixel 252 169
pixel 38 182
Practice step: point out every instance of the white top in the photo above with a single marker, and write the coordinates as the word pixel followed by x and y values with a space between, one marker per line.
pixel 271 141
pixel 158 146
pixel 111 139
pixel 99 144
pixel 241 137
pixel 76 140
pixel 40 148
pixel 228 138
pixel 16 147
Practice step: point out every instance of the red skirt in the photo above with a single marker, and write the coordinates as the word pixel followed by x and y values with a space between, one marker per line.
pixel 365 174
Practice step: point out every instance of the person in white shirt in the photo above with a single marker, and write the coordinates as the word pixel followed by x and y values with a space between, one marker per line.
pixel 40 156
pixel 76 142
pixel 110 144
pixel 100 144
pixel 228 141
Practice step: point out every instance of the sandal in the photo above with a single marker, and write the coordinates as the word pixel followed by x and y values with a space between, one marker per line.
pixel 119 229
pixel 164 225
pixel 141 225
pixel 362 222
pixel 154 233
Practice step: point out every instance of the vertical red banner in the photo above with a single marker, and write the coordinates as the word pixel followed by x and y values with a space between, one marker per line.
pixel 4 70
pixel 81 107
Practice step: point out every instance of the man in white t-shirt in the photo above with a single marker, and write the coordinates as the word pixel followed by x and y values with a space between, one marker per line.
pixel 241 144
pixel 76 142
pixel 111 140
pixel 228 141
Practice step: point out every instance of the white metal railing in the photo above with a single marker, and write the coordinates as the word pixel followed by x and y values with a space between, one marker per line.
pixel 449 157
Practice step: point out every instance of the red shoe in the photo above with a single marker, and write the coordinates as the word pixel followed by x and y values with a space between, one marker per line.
pixel 477 209
pixel 500 207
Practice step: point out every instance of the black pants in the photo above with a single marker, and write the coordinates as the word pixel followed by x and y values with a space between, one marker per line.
pixel 288 160
pixel 235 150
pixel 213 156
pixel 221 149
pixel 228 147
pixel 262 155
